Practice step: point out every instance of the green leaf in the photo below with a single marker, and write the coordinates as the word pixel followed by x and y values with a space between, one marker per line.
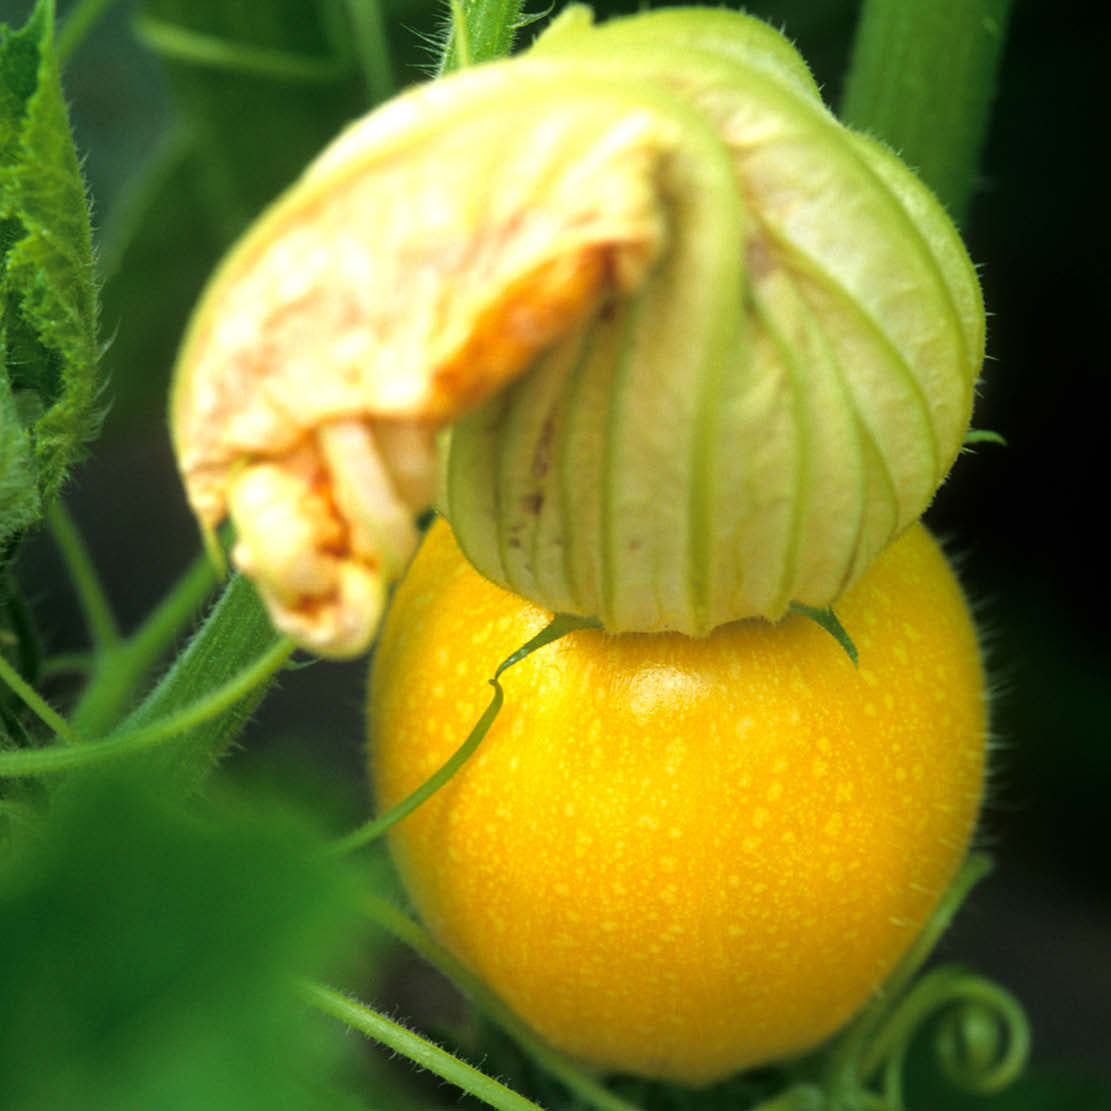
pixel 148 954
pixel 48 303
pixel 20 504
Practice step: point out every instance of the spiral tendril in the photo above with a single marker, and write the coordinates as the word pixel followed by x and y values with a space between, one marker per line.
pixel 982 1040
pixel 982 1037
pixel 983 1043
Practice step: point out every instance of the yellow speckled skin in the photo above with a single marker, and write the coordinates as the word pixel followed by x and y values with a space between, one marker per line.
pixel 683 857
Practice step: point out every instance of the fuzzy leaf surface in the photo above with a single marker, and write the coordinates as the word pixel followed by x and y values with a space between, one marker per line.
pixel 48 301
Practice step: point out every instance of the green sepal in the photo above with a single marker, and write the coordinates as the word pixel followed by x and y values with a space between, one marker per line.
pixel 48 299
pixel 976 436
pixel 829 621
pixel 560 625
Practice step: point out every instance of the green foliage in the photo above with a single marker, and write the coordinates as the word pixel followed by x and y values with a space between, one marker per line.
pixel 147 955
pixel 48 306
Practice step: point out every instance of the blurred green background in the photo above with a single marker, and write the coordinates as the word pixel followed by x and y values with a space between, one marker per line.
pixel 1023 520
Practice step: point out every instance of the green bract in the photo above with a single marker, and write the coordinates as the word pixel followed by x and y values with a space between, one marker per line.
pixel 702 350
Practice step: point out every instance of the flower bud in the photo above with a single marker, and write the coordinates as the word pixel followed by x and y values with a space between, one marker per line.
pixel 703 351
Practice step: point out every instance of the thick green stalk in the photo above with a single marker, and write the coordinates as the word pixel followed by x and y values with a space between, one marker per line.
pixel 236 634
pixel 372 48
pixel 479 31
pixel 119 671
pixel 922 78
pixel 209 710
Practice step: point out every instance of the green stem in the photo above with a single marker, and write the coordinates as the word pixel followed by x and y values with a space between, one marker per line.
pixel 375 827
pixel 843 1069
pixel 91 595
pixel 197 48
pixel 402 927
pixel 419 1050
pixel 922 78
pixel 372 49
pixel 128 742
pixel 67 663
pixel 479 31
pixel 560 625
pixel 80 20
pixel 126 220
pixel 39 707
pixel 117 675
pixel 235 635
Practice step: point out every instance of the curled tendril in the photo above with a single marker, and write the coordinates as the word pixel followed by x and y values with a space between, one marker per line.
pixel 982 1040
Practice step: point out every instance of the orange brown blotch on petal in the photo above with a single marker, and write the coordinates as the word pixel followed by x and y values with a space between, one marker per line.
pixel 378 302
pixel 533 313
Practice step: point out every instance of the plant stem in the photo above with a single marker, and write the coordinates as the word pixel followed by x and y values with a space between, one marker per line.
pixel 844 1064
pixel 118 673
pixel 419 1050
pixel 479 31
pixel 401 926
pixel 368 29
pixel 128 742
pixel 81 19
pixel 91 595
pixel 184 44
pixel 922 78
pixel 38 706
pixel 375 827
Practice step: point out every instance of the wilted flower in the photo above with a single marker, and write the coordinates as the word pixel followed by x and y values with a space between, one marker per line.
pixel 702 350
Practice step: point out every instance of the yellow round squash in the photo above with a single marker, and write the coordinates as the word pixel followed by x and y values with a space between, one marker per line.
pixel 682 857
